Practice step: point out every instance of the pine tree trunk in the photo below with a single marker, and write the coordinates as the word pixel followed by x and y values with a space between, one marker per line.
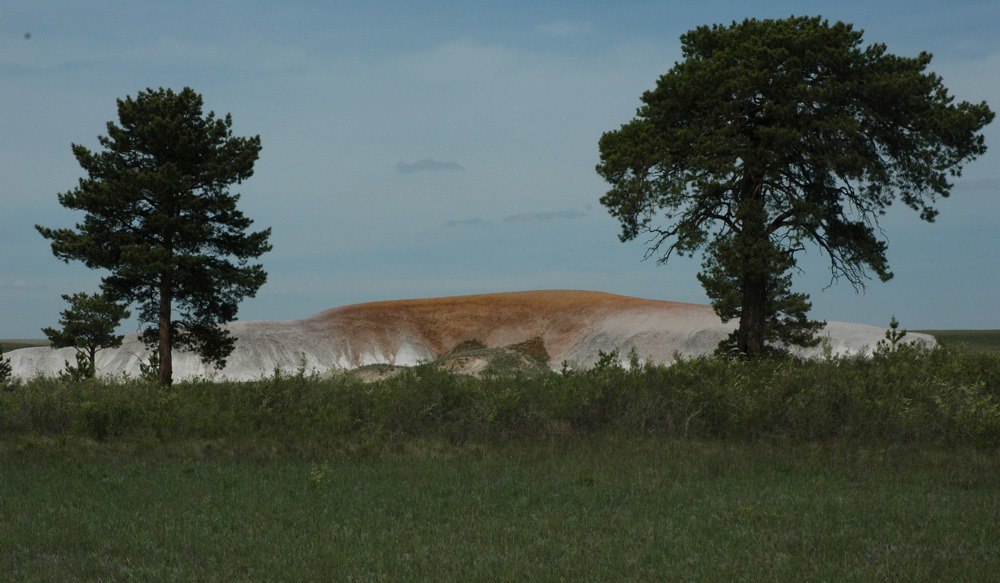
pixel 166 365
pixel 752 245
pixel 751 333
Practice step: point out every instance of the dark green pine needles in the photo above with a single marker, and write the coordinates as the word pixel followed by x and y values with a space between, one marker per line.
pixel 160 217
pixel 771 135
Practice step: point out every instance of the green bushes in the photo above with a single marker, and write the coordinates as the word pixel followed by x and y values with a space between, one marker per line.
pixel 5 370
pixel 909 395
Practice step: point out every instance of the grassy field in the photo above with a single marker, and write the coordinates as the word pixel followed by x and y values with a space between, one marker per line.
pixel 841 468
pixel 594 508
pixel 13 344
pixel 967 339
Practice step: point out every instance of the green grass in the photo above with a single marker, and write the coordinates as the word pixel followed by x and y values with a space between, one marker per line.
pixel 591 508
pixel 967 339
pixel 837 469
pixel 8 345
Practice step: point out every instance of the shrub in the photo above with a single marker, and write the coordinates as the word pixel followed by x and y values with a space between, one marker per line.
pixel 910 394
pixel 5 371
pixel 78 372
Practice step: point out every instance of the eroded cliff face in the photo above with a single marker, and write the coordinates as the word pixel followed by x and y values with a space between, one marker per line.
pixel 572 325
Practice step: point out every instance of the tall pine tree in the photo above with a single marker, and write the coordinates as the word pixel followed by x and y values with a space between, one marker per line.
pixel 772 135
pixel 159 215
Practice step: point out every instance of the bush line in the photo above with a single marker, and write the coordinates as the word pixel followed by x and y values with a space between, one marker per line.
pixel 909 395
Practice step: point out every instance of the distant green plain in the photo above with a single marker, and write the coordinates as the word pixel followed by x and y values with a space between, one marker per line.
pixel 967 339
pixel 8 345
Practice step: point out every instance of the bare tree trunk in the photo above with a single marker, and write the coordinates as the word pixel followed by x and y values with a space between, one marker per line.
pixel 166 365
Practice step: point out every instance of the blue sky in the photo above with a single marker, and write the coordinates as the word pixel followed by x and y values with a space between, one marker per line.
pixel 424 149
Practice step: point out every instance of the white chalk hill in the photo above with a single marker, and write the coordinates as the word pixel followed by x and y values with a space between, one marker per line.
pixel 573 326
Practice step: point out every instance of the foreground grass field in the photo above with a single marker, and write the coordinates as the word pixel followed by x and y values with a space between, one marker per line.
pixel 594 508
pixel 840 468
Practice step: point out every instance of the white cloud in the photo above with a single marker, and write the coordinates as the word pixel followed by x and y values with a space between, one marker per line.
pixel 462 58
pixel 474 222
pixel 45 54
pixel 428 165
pixel 544 216
pixel 564 28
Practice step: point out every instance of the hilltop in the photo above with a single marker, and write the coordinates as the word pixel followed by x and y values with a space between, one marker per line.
pixel 556 326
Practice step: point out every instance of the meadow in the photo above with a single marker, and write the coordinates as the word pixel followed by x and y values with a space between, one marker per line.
pixel 967 339
pixel 843 468
pixel 581 508
pixel 14 344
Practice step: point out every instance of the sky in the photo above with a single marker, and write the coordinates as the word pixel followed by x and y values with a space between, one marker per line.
pixel 420 149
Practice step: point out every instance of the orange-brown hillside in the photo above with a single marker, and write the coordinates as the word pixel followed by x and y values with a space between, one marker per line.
pixel 559 317
pixel 574 327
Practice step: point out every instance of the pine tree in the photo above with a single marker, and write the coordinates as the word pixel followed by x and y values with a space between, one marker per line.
pixel 893 336
pixel 88 325
pixel 772 135
pixel 786 323
pixel 160 217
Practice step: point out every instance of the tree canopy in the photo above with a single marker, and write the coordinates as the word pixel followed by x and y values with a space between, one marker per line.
pixel 772 135
pixel 88 325
pixel 159 215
